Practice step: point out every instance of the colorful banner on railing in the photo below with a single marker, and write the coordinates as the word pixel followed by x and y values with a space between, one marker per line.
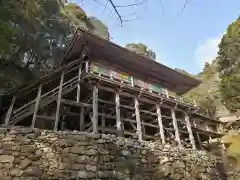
pixel 100 70
pixel 156 88
pixel 121 76
pixel 141 84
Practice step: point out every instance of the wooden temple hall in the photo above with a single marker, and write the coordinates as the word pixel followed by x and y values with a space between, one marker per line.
pixel 101 87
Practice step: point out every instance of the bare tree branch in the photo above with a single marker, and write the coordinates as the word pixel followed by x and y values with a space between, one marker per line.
pixel 130 5
pixel 185 5
pixel 115 9
pixel 104 8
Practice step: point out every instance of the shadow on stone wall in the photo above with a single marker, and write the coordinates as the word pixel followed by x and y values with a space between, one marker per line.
pixel 28 155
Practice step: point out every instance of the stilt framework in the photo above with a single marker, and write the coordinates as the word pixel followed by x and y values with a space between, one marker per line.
pixel 86 96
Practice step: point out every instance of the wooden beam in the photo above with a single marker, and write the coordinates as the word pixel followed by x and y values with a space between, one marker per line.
pixel 59 101
pixel 199 140
pixel 9 112
pixel 95 108
pixel 38 98
pixel 188 125
pixel 112 103
pixel 82 119
pixel 175 126
pixel 139 130
pixel 159 118
pixel 103 118
pixel 46 117
pixel 73 103
pixel 118 116
pixel 79 85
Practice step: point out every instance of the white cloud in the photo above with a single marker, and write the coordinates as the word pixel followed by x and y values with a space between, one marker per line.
pixel 207 51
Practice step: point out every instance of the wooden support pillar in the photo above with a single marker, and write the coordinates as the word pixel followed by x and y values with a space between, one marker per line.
pixel 95 109
pixel 139 129
pixel 87 66
pixel 223 145
pixel 59 101
pixel 175 126
pixel 159 117
pixel 82 114
pixel 199 140
pixel 198 136
pixel 81 123
pixel 38 98
pixel 188 125
pixel 118 116
pixel 103 117
pixel 9 112
pixel 78 86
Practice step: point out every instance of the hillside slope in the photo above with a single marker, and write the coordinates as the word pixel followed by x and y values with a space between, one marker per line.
pixel 207 94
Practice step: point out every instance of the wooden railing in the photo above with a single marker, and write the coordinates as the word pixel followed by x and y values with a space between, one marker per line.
pixel 135 82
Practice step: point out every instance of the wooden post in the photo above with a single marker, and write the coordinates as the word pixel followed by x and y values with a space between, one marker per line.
pixel 139 129
pixel 223 145
pixel 59 101
pixel 103 121
pixel 199 140
pixel 118 117
pixel 36 106
pixel 9 112
pixel 161 130
pixel 82 119
pixel 87 66
pixel 95 109
pixel 175 126
pixel 198 136
pixel 166 91
pixel 191 137
pixel 78 86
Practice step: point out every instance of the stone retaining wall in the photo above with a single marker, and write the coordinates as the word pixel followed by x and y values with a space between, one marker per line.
pixel 29 155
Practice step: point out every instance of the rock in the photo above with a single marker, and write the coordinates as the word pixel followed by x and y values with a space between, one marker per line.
pixel 16 172
pixel 103 151
pixel 82 159
pixel 91 168
pixel 16 154
pixel 28 149
pixel 77 150
pixel 34 157
pixel 100 141
pixel 20 130
pixel 91 174
pixel 6 159
pixel 82 143
pixel 32 171
pixel 8 138
pixel 91 152
pixel 3 130
pixel 24 164
pixel 77 166
pixel 82 174
pixel 70 158
pixel 64 166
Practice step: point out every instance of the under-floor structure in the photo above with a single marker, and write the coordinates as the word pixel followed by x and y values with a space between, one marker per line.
pixel 101 87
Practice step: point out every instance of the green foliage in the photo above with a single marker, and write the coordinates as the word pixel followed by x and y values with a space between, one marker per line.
pixel 206 94
pixel 229 67
pixel 34 35
pixel 142 49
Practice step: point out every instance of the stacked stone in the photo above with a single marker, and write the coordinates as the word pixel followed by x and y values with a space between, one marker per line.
pixel 32 155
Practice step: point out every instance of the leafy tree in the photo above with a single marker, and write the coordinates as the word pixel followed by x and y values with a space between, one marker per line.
pixel 34 35
pixel 229 67
pixel 142 49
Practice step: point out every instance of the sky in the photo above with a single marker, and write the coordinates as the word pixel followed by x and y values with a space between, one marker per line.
pixel 181 40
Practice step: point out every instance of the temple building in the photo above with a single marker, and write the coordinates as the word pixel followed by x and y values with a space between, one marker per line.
pixel 100 87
